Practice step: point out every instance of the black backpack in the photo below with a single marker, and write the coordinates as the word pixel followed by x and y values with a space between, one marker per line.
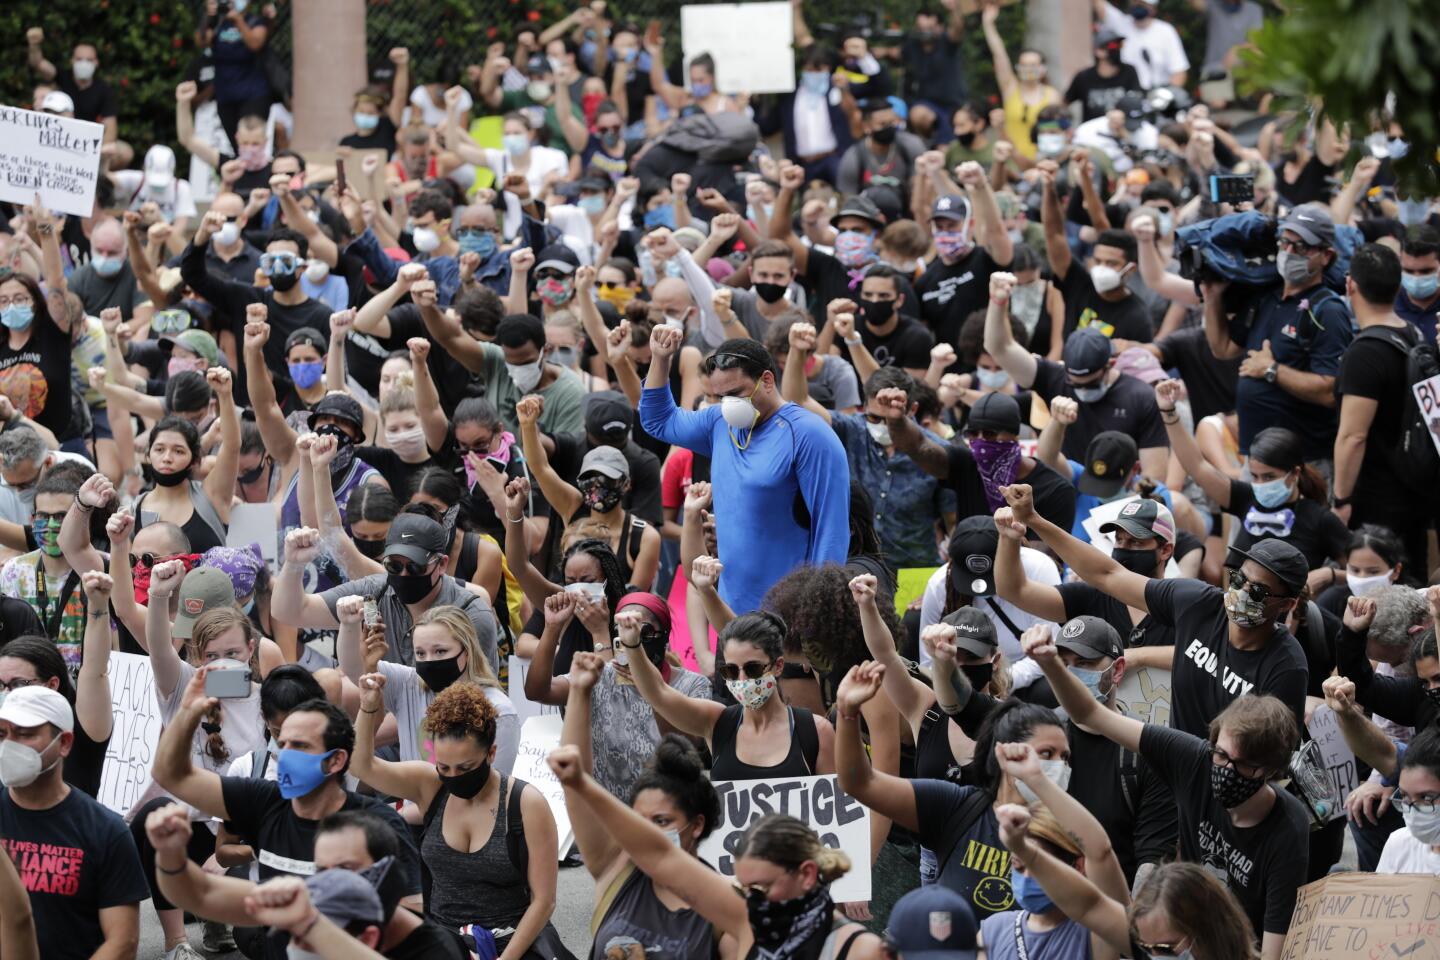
pixel 1414 457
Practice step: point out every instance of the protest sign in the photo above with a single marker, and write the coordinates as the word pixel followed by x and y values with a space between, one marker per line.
pixel 525 708
pixel 1365 916
pixel 1339 759
pixel 1144 695
pixel 749 42
pixel 255 523
pixel 841 821
pixel 137 731
pixel 56 157
pixel 538 737
pixel 1427 398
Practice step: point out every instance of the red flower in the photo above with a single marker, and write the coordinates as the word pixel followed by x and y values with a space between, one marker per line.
pixel 533 16
pixel 490 33
pixel 439 41
pixel 154 19
pixel 177 42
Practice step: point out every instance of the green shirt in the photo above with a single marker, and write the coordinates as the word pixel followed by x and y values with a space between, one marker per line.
pixel 562 413
pixel 513 100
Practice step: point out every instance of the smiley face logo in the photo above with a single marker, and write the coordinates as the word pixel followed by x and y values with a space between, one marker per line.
pixel 994 894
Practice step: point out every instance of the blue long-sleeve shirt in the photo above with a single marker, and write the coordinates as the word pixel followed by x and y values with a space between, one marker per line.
pixel 445 271
pixel 793 464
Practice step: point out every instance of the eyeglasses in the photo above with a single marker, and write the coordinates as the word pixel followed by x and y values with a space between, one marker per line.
pixel 1165 949
pixel 55 518
pixel 1404 804
pixel 753 670
pixel 1256 591
pixel 399 566
pixel 1222 759
pixel 19 300
pixel 1285 243
pixel 10 686
pixel 550 275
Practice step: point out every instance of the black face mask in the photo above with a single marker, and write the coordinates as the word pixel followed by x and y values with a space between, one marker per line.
pixel 250 476
pixel 877 312
pixel 467 785
pixel 885 135
pixel 439 674
pixel 770 292
pixel 1136 561
pixel 966 138
pixel 374 549
pixel 167 479
pixel 1230 788
pixel 788 922
pixel 282 282
pixel 979 674
pixel 410 587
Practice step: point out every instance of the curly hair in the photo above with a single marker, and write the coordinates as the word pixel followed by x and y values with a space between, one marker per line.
pixel 462 710
pixel 822 618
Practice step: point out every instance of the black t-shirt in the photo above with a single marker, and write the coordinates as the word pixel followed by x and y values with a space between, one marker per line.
pixel 1126 318
pixel 1081 599
pixel 381 138
pixel 1130 800
pixel 1305 524
pixel 949 293
pixel 907 346
pixel 94 103
pixel 1208 672
pixel 1210 383
pixel 86 761
pixel 397 473
pixel 974 863
pixel 476 509
pixel 1372 368
pixel 36 377
pixel 643 497
pixel 76 859
pixel 1128 406
pixel 365 355
pixel 1098 94
pixel 1054 496
pixel 1311 184
pixel 827 279
pixel 18 619
pixel 1263 865
pixel 429 942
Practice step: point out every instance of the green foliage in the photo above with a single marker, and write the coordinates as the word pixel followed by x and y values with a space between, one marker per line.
pixel 1349 55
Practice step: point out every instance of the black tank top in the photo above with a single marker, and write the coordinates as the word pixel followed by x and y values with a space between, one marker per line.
pixel 934 760
pixel 799 762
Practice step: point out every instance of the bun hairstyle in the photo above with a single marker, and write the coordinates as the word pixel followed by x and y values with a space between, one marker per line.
pixel 462 710
pixel 781 839
pixel 762 628
pixel 677 770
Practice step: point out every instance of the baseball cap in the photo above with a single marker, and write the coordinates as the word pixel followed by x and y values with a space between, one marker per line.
pixel 1313 223
pixel 974 631
pixel 932 923
pixel 159 166
pixel 972 556
pixel 608 416
pixel 198 342
pixel 1108 461
pixel 1144 518
pixel 1277 556
pixel 1133 106
pixel 606 461
pixel 1105 36
pixel 57 101
pixel 36 704
pixel 952 206
pixel 1087 351
pixel 345 896
pixel 1090 638
pixel 995 411
pixel 308 335
pixel 557 256
pixel 595 184
pixel 862 207
pixel 414 537
pixel 341 406
pixel 204 588
pixel 1140 364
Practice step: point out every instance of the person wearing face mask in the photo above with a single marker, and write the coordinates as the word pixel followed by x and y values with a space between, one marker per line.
pixel 156 183
pixel 1375 560
pixel 1152 46
pixel 93 97
pixel 305 355
pixel 108 280
pixel 885 338
pixel 96 907
pixel 249 580
pixel 973 139
pixel 1412 847
pixel 431 214
pixel 507 881
pixel 971 244
pixel 1293 342
pixel 1098 88
pixel 815 120
pixel 886 155
pixel 237 41
pixel 377 119
pixel 934 60
pixel 610 422
pixel 230 254
pixel 1238 633
pixel 519 153
pixel 1222 790
pixel 482 262
pixel 1023 90
pixel 1418 301
pixel 515 366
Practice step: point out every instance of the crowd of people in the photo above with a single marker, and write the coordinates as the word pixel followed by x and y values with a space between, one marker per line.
pixel 877 432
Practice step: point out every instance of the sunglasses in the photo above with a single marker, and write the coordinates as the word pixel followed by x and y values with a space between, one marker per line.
pixel 399 566
pixel 991 435
pixel 550 275
pixel 752 669
pixel 1164 949
pixel 607 129
pixel 1255 591
pixel 149 559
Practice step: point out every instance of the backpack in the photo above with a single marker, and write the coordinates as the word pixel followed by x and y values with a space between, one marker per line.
pixel 1414 457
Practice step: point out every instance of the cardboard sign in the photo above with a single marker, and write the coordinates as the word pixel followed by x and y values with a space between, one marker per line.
pixel 131 751
pixel 56 157
pixel 1144 695
pixel 1366 916
pixel 255 523
pixel 841 821
pixel 1339 759
pixel 751 44
pixel 1427 398
pixel 538 737
pixel 525 708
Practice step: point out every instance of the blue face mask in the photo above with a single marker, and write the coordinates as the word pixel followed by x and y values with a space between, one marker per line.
pixel 814 82
pixel 660 217
pixel 298 773
pixel 17 316
pixel 701 90
pixel 306 375
pixel 366 121
pixel 107 266
pixel 594 204
pixel 1029 894
pixel 1272 493
pixel 481 242
pixel 1091 679
pixel 1420 286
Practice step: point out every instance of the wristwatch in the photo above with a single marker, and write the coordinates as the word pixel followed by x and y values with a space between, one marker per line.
pixel 1340 501
pixel 1272 372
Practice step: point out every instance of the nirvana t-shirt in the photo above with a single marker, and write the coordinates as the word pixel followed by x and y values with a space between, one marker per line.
pixel 1126 319
pixel 1208 672
pixel 1128 406
pixel 75 859
pixel 974 863
pixel 1307 525
pixel 1262 865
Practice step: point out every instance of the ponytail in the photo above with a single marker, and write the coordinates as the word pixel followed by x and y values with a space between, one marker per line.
pixel 1311 485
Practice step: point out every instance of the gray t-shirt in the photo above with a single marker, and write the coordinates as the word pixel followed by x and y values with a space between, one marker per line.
pixel 408 701
pixel 1226 29
pixel 1070 940
pixel 396 616
pixel 844 383
pixel 624 726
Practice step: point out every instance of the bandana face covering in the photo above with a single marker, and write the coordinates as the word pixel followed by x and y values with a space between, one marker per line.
pixel 998 462
pixel 783 928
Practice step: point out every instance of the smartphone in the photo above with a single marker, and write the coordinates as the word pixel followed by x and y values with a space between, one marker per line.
pixel 1229 188
pixel 228 683
pixel 621 654
pixel 497 463
pixel 372 612
pixel 340 176
pixel 593 592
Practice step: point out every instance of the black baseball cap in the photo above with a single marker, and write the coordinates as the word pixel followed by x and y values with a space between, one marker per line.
pixel 974 631
pixel 1133 106
pixel 862 207
pixel 995 411
pixel 1281 559
pixel 1108 462
pixel 308 335
pixel 341 406
pixel 932 923
pixel 557 256
pixel 972 556
pixel 414 537
pixel 1086 351
pixel 608 416
pixel 1090 638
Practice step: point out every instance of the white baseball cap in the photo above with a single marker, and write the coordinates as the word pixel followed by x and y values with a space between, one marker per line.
pixel 159 166
pixel 35 705
pixel 57 101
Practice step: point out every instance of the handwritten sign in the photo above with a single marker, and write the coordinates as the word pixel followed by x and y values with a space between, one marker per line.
pixel 56 157
pixel 1365 916
pixel 1427 398
pixel 1144 695
pixel 1339 759
pixel 749 42
pixel 538 737
pixel 525 708
pixel 128 758
pixel 841 821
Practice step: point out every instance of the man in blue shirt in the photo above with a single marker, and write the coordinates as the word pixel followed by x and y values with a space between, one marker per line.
pixel 780 477
pixel 1419 299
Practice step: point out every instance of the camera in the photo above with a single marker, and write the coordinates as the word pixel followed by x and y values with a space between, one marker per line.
pixel 228 680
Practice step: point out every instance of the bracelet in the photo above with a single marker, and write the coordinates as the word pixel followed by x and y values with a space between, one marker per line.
pixel 363 710
pixel 297 937
pixel 83 505
pixel 519 519
pixel 847 716
pixel 631 646
pixel 854 341
pixel 1170 421
pixel 172 873
pixel 1165 410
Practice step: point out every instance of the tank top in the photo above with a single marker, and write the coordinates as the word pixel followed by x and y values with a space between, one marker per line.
pixel 934 760
pixel 323 572
pixel 205 529
pixel 799 762
pixel 1020 119
pixel 637 915
pixel 483 887
pixel 632 535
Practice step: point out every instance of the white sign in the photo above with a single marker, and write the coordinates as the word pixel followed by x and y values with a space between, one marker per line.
pixel 255 523
pixel 1144 695
pixel 53 156
pixel 841 821
pixel 1427 398
pixel 1106 513
pixel 131 751
pixel 1339 759
pixel 751 44
pixel 538 737
pixel 525 708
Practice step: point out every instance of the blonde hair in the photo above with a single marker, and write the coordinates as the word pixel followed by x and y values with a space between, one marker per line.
pixel 1044 827
pixel 401 398
pixel 457 622
pixel 209 628
pixel 781 839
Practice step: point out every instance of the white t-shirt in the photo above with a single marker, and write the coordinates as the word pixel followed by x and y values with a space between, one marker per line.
pixel 242 729
pixel 543 162
pixel 1154 50
pixel 1038 569
pixel 174 201
pixel 1404 854
pixel 1096 133
pixel 432 113
pixel 405 698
